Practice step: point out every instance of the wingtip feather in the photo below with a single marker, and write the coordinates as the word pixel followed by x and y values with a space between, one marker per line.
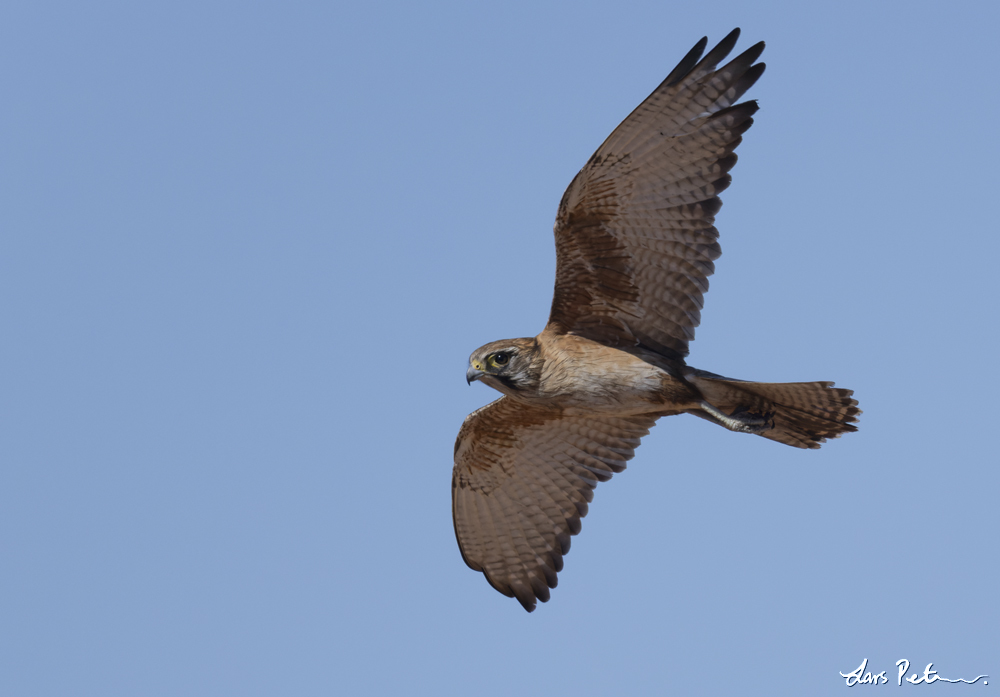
pixel 688 62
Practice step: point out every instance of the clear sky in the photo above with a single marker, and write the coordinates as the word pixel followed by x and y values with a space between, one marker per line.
pixel 246 250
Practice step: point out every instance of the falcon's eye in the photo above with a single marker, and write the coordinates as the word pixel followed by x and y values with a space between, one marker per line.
pixel 499 359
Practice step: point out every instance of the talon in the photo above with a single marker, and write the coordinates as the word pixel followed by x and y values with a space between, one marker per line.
pixel 741 420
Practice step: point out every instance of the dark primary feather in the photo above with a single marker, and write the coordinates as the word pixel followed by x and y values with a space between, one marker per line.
pixel 635 235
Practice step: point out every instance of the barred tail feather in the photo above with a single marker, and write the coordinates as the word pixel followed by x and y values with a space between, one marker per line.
pixel 804 414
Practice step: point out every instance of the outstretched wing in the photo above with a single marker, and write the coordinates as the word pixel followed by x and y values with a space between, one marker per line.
pixel 635 239
pixel 522 480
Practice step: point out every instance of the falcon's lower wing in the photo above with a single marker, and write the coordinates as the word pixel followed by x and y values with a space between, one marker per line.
pixel 522 480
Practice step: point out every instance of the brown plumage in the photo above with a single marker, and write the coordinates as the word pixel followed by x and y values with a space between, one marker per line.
pixel 635 245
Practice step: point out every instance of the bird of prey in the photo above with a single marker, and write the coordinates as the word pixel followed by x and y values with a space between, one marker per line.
pixel 635 242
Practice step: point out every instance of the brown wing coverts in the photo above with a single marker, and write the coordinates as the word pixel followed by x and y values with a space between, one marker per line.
pixel 522 481
pixel 635 235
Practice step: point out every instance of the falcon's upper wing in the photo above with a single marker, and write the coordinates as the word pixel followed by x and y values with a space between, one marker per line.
pixel 522 480
pixel 635 239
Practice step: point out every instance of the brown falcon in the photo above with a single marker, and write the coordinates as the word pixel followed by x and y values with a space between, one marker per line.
pixel 635 242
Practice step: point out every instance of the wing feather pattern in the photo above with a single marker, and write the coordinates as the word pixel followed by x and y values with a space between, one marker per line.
pixel 523 478
pixel 635 234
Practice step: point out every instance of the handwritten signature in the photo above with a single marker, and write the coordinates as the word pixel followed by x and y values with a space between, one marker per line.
pixel 859 676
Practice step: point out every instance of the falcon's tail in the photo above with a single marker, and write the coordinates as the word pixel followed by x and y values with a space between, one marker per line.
pixel 801 414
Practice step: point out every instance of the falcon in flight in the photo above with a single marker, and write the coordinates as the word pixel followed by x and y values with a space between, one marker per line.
pixel 635 242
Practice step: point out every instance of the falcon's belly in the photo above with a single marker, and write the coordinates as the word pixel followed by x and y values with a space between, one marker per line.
pixel 583 376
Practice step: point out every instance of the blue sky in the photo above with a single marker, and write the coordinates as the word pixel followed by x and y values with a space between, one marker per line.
pixel 246 250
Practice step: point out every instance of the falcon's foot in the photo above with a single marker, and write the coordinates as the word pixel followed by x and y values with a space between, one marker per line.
pixel 740 420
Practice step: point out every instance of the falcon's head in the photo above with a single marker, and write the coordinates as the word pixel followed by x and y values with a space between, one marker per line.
pixel 507 366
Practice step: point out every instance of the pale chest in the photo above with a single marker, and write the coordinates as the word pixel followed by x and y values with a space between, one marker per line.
pixel 582 374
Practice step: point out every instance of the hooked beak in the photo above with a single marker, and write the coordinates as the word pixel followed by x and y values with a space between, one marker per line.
pixel 473 374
